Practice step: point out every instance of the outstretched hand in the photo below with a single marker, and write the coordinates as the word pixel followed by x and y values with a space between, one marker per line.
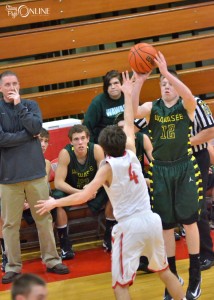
pixel 161 63
pixel 127 85
pixel 45 206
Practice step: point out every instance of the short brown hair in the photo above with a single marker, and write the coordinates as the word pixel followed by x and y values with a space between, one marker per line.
pixel 44 133
pixel 113 140
pixel 7 73
pixel 78 128
pixel 23 284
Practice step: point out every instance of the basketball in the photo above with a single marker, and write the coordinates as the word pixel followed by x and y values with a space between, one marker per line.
pixel 141 58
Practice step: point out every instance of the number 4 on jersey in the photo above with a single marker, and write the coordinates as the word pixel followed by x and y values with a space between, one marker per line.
pixel 132 175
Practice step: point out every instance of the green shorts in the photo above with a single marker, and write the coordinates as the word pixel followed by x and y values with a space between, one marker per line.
pixel 95 204
pixel 176 191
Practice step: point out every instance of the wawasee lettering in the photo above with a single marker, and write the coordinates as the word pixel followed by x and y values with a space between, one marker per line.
pixel 114 110
pixel 82 174
pixel 172 118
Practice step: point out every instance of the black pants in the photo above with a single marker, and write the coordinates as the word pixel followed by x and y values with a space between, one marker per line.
pixel 206 244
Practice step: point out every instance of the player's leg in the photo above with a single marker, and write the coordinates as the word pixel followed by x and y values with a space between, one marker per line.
pixel 61 225
pixel 37 189
pixel 170 248
pixel 96 205
pixel 122 292
pixel 192 240
pixel 189 188
pixel 62 230
pixel 172 284
pixel 163 204
pixel 110 222
pixel 127 247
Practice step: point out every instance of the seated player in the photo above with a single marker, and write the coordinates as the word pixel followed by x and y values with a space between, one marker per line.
pixel 77 166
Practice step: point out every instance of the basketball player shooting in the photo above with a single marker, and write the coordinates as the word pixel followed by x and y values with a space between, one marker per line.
pixel 139 230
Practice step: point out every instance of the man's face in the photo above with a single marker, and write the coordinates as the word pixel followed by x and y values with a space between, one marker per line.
pixel 80 142
pixel 114 90
pixel 168 93
pixel 9 84
pixel 44 143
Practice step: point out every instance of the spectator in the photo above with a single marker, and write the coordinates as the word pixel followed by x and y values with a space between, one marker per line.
pixel 22 176
pixel 175 176
pixel 29 287
pixel 77 165
pixel 104 107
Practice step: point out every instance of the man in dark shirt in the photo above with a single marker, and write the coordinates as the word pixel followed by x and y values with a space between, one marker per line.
pixel 22 176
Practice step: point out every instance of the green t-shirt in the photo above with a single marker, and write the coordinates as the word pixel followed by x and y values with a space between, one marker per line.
pixel 102 112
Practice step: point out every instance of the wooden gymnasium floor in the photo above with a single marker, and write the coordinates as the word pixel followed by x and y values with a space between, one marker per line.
pixel 90 277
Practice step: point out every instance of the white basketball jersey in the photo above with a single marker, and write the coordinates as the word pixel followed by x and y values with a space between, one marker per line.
pixel 128 191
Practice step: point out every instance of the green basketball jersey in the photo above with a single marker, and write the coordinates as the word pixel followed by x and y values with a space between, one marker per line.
pixel 169 130
pixel 79 175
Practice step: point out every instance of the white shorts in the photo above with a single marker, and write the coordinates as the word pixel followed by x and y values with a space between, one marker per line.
pixel 135 236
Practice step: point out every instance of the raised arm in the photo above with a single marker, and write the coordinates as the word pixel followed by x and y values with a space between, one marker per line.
pixel 28 112
pixel 145 109
pixel 182 90
pixel 127 88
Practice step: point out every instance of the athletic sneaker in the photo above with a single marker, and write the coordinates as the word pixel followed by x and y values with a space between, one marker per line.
pixel 4 262
pixel 177 236
pixel 65 255
pixel 107 245
pixel 212 225
pixel 167 296
pixel 194 288
pixel 182 231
